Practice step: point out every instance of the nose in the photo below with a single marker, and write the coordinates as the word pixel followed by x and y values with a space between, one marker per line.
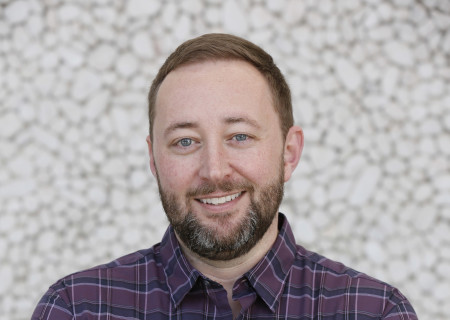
pixel 214 163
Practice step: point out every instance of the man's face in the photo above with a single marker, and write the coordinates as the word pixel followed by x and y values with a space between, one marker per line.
pixel 217 152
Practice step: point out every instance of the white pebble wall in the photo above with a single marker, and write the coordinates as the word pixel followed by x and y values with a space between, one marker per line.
pixel 371 87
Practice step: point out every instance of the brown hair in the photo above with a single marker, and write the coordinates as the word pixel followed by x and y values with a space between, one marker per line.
pixel 217 46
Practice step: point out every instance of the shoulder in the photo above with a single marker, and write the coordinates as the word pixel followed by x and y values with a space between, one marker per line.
pixel 118 272
pixel 122 278
pixel 334 284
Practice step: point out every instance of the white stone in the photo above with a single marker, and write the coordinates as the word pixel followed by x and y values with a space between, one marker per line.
pixel 365 185
pixel 339 189
pixel 430 126
pixel 405 148
pixel 106 14
pixel 98 195
pixel 212 15
pixel 169 14
pixel 260 17
pixel 8 222
pixel 399 53
pixel 192 6
pixel 138 179
pixel 70 57
pixel 437 87
pixel 49 60
pixel 319 196
pixel 86 83
pixel 301 188
pixel 21 41
pixel 114 167
pixel 46 138
pixel 425 218
pixel 234 18
pixel 417 113
pixel 442 199
pixel 17 11
pixel 11 124
pixel 46 241
pixel 69 12
pixel 355 164
pixel 348 74
pixel 441 292
pixel 142 45
pixel 321 157
pixel 427 146
pixel 335 138
pixel 395 166
pixel 375 252
pixel 107 233
pixel 426 71
pixel 118 199
pixel 18 188
pixel 446 120
pixel 442 182
pixel 142 8
pixel 131 237
pixel 390 80
pixel 102 57
pixel 398 270
pixel 121 121
pixel 8 278
pixel 97 104
pixel 444 143
pixel 305 231
pixel 294 11
pixel 182 27
pixel 276 5
pixel 423 192
pixel 98 156
pixel 326 8
pixel 21 167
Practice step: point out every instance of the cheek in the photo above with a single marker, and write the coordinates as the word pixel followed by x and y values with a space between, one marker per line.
pixel 260 167
pixel 174 174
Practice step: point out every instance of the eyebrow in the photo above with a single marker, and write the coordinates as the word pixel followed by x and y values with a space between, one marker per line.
pixel 192 125
pixel 232 120
pixel 180 125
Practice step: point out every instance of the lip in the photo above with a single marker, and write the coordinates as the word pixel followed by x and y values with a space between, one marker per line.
pixel 219 207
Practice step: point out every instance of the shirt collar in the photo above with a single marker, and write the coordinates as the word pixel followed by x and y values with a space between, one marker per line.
pixel 181 276
pixel 267 277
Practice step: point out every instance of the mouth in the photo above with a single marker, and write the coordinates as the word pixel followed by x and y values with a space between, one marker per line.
pixel 220 200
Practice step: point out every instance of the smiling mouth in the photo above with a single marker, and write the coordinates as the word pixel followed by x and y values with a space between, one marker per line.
pixel 220 200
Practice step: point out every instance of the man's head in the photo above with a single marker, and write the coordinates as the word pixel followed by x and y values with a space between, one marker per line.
pixel 217 46
pixel 219 151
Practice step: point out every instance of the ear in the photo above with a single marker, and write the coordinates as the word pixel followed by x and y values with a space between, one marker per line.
pixel 150 153
pixel 293 147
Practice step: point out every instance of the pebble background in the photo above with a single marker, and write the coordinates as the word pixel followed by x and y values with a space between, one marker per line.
pixel 371 88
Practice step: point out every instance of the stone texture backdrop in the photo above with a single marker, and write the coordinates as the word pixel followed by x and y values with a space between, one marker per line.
pixel 371 88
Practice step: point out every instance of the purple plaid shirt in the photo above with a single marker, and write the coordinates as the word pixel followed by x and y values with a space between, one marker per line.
pixel 159 283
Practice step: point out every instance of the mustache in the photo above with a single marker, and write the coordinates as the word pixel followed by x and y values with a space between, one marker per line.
pixel 223 186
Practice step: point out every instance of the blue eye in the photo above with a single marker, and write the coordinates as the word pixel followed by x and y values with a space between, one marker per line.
pixel 241 137
pixel 185 142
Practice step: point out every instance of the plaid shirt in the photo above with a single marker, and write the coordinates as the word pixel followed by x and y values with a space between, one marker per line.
pixel 159 283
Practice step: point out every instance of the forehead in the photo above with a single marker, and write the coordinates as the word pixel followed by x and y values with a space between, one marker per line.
pixel 214 87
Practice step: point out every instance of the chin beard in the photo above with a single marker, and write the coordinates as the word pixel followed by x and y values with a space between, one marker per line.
pixel 241 238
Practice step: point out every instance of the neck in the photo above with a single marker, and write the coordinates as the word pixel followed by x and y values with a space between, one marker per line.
pixel 227 272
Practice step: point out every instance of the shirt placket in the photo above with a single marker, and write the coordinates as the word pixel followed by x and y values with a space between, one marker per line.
pixel 216 302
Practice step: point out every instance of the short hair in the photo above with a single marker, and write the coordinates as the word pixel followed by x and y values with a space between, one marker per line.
pixel 218 46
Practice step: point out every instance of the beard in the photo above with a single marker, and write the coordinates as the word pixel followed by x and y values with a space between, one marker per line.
pixel 206 241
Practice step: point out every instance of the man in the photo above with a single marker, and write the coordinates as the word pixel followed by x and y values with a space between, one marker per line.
pixel 222 143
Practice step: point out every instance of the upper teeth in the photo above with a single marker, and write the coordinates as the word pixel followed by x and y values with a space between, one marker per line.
pixel 220 200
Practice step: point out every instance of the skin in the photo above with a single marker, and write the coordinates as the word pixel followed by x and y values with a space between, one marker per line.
pixel 215 122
